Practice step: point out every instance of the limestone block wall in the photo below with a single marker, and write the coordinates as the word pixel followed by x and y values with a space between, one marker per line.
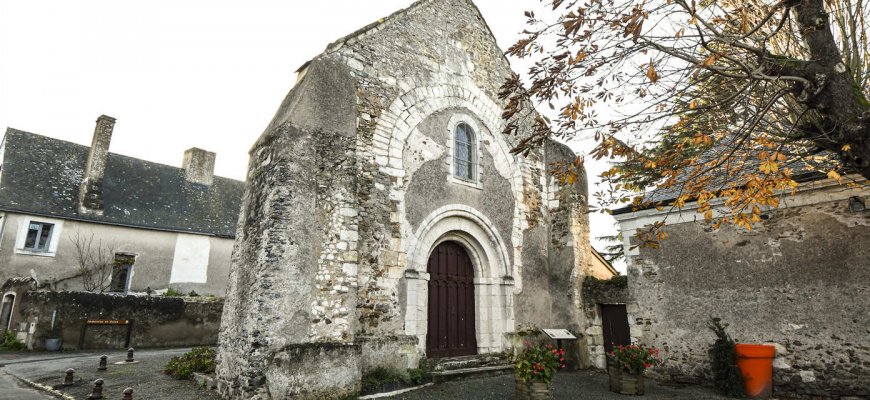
pixel 351 187
pixel 798 281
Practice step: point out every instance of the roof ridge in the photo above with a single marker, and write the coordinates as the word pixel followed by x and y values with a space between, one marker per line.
pixel 10 129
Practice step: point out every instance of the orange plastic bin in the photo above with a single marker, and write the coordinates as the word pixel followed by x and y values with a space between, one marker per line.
pixel 756 365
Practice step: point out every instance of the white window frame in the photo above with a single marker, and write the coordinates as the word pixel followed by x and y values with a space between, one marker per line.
pixel 53 240
pixel 477 153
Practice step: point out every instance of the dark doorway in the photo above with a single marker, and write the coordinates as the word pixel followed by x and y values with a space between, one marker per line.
pixel 451 303
pixel 121 273
pixel 6 312
pixel 614 321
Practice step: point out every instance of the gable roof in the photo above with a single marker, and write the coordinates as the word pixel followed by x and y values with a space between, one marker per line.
pixel 42 176
pixel 378 25
pixel 604 261
pixel 662 196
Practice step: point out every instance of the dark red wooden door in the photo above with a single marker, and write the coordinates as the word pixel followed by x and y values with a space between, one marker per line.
pixel 451 303
pixel 614 321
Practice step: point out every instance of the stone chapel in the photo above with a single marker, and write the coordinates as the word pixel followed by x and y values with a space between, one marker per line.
pixel 385 220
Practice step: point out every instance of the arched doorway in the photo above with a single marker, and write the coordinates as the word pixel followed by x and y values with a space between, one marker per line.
pixel 451 302
pixel 6 311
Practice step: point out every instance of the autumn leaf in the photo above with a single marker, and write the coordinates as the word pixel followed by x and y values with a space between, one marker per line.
pixel 768 167
pixel 847 148
pixel 651 74
pixel 834 175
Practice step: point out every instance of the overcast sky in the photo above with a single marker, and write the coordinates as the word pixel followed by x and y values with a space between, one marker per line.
pixel 180 74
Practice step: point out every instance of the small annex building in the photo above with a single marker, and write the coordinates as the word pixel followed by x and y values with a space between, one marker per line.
pixel 167 226
pixel 798 281
pixel 385 220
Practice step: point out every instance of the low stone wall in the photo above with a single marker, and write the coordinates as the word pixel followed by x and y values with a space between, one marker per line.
pixel 156 321
pixel 399 352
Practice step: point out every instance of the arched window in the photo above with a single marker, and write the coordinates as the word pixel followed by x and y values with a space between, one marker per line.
pixel 464 152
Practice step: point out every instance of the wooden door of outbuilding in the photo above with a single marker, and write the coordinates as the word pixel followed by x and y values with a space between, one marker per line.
pixel 451 303
pixel 614 321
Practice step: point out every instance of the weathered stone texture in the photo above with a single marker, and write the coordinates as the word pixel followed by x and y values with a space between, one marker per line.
pixel 797 281
pixel 351 186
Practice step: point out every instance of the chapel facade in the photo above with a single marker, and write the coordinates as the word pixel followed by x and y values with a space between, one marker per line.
pixel 385 220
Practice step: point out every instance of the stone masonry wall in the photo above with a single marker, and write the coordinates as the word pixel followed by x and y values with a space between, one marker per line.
pixel 798 281
pixel 157 321
pixel 351 186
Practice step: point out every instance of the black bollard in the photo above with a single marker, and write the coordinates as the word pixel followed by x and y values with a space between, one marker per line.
pixel 98 390
pixel 103 366
pixel 128 394
pixel 69 380
pixel 130 355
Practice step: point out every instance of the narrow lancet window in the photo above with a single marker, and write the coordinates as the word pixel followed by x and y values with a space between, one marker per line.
pixel 464 153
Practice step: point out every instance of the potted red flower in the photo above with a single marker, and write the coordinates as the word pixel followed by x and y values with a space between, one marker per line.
pixel 629 363
pixel 535 367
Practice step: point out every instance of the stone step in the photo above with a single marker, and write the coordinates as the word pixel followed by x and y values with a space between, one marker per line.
pixel 466 373
pixel 463 362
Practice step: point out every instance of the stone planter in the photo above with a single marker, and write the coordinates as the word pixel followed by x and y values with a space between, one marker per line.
pixel 52 344
pixel 533 390
pixel 623 382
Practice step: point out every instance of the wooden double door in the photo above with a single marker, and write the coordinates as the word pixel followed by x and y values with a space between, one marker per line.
pixel 451 303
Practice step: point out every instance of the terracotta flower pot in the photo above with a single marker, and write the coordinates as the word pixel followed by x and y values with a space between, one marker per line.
pixel 623 382
pixel 533 390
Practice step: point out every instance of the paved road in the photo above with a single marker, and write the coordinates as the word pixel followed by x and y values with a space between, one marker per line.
pixel 11 388
pixel 146 377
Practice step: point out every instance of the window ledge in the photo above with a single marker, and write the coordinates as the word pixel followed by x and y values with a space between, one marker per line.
pixel 453 179
pixel 35 253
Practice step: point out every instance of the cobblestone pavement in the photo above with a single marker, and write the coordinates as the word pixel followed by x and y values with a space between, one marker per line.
pixel 146 377
pixel 566 385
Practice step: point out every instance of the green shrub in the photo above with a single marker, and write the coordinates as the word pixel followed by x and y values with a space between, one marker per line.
pixel 723 362
pixel 173 293
pixel 200 359
pixel 10 342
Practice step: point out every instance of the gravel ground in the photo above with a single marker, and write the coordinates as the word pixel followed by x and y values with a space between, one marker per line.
pixel 145 377
pixel 566 385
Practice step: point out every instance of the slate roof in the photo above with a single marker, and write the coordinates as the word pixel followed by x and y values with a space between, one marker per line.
pixel 662 196
pixel 41 176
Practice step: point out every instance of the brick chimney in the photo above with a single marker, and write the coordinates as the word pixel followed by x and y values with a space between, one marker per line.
pixel 199 166
pixel 91 191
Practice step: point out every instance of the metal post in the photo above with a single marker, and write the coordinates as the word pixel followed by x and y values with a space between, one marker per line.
pixel 130 355
pixel 69 380
pixel 129 332
pixel 97 393
pixel 103 366
pixel 128 394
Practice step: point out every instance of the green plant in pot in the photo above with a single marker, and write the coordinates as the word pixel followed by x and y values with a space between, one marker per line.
pixel 53 336
pixel 629 364
pixel 536 366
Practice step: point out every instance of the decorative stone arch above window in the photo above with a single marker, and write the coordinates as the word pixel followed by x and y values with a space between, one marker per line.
pixel 462 124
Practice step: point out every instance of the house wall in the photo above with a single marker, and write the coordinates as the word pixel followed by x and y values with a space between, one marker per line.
pixel 160 261
pixel 798 281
